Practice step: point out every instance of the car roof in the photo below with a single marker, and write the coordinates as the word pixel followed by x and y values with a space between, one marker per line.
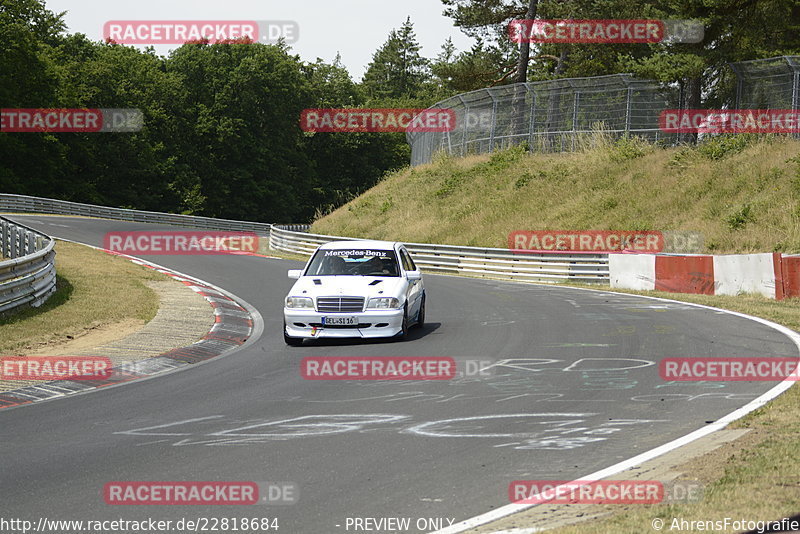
pixel 360 244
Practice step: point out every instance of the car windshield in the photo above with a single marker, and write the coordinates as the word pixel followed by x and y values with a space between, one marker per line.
pixel 353 262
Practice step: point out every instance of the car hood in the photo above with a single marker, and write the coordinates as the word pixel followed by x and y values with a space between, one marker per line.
pixel 352 286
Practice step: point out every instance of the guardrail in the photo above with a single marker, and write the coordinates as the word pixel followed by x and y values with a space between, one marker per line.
pixel 26 204
pixel 495 263
pixel 29 275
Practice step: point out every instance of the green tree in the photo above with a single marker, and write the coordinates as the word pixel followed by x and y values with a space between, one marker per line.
pixel 27 80
pixel 397 69
pixel 346 164
pixel 245 143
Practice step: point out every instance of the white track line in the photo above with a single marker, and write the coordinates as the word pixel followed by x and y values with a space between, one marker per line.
pixel 509 509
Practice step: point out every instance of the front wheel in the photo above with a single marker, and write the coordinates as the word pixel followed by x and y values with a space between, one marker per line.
pixel 421 314
pixel 403 334
pixel 291 341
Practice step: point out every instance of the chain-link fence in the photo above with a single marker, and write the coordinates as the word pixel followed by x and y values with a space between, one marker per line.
pixel 549 116
pixel 555 115
pixel 772 83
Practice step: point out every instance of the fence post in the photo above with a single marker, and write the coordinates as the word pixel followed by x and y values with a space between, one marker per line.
pixel 465 128
pixel 532 123
pixel 681 107
pixel 628 111
pixel 449 140
pixel 575 103
pixel 737 98
pixel 796 97
pixel 494 120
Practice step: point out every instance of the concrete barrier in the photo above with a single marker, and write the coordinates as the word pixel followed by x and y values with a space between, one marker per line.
pixel 745 273
pixel 632 271
pixel 790 276
pixel 770 274
pixel 685 274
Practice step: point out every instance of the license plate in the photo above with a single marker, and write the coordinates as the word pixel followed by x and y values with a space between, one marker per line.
pixel 340 321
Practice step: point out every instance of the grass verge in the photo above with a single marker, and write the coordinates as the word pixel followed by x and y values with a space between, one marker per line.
pixel 94 289
pixel 742 193
pixel 753 478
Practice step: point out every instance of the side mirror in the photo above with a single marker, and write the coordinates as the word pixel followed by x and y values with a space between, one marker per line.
pixel 295 273
pixel 413 275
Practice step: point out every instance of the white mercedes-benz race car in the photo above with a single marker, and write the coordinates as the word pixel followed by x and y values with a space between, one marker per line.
pixel 354 289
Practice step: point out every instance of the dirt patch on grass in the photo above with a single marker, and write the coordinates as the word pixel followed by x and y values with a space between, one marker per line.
pixel 98 297
pixel 90 338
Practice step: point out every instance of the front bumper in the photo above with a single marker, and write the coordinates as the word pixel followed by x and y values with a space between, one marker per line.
pixel 306 323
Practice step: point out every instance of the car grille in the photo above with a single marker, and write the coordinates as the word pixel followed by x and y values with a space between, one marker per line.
pixel 340 304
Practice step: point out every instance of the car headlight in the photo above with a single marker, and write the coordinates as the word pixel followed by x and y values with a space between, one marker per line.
pixel 299 302
pixel 383 303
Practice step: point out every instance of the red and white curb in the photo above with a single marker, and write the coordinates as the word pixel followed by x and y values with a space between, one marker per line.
pixel 235 322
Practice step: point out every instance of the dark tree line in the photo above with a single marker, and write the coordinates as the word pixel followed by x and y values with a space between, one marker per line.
pixel 222 135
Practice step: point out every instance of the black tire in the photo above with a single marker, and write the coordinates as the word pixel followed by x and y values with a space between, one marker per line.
pixel 421 314
pixel 403 334
pixel 291 341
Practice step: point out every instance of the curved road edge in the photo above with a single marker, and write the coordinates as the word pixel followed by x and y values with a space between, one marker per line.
pixel 509 509
pixel 237 324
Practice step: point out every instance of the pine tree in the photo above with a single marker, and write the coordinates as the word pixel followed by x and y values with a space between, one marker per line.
pixel 397 69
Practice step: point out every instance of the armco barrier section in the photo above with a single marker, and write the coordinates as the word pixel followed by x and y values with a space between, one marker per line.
pixel 495 263
pixel 26 204
pixel 685 274
pixel 770 274
pixel 28 276
pixel 746 273
pixel 790 276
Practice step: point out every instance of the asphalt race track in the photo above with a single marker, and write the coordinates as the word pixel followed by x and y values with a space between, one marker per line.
pixel 573 388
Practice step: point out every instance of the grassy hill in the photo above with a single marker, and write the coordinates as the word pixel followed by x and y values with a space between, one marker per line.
pixel 741 192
